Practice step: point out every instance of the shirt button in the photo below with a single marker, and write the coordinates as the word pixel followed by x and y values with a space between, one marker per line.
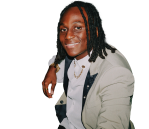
pixel 87 85
pixel 84 97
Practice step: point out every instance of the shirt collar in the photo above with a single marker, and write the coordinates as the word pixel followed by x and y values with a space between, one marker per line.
pixel 84 61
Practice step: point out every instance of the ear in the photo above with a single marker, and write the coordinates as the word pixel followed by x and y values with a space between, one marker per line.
pixel 97 31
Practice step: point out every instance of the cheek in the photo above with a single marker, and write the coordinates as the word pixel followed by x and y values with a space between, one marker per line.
pixel 84 39
pixel 61 38
pixel 82 36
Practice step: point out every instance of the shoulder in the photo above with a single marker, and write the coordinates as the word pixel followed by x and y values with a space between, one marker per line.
pixel 117 59
pixel 112 61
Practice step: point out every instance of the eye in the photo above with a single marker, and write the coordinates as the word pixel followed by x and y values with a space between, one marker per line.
pixel 62 30
pixel 78 28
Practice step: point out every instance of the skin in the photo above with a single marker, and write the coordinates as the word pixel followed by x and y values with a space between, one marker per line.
pixel 50 78
pixel 74 40
pixel 73 33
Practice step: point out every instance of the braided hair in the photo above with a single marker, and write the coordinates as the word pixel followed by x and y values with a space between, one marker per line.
pixel 98 43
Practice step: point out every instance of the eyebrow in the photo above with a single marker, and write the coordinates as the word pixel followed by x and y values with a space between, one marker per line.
pixel 73 22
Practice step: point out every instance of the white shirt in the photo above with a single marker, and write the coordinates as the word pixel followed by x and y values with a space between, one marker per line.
pixel 75 91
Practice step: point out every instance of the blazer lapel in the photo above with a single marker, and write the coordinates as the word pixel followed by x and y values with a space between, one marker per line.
pixel 87 85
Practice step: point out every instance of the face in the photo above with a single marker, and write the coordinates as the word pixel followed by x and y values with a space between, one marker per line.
pixel 73 33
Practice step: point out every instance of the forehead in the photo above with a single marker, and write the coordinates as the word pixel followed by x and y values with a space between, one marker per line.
pixel 73 14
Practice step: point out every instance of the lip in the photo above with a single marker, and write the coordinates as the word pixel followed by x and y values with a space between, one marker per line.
pixel 71 45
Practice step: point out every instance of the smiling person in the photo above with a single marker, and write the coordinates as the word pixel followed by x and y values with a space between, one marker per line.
pixel 97 79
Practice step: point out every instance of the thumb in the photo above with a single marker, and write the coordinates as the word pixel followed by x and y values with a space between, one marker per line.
pixel 52 88
pixel 52 91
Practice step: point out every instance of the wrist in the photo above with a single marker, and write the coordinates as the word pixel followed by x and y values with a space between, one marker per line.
pixel 55 67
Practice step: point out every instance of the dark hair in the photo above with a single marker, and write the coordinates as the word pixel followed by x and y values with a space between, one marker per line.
pixel 97 43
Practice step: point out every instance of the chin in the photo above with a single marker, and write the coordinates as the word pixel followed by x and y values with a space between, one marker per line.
pixel 71 54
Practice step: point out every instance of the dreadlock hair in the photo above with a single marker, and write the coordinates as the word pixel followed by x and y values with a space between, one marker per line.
pixel 98 43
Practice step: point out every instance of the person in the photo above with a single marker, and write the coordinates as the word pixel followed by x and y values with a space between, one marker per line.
pixel 97 79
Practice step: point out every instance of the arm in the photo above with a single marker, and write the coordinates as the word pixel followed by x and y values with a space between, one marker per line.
pixel 51 79
pixel 116 90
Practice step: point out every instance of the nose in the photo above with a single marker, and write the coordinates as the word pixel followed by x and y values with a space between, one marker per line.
pixel 69 35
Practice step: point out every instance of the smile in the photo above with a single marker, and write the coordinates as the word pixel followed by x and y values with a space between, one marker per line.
pixel 71 45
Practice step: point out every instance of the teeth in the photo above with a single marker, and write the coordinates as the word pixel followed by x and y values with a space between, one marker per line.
pixel 71 44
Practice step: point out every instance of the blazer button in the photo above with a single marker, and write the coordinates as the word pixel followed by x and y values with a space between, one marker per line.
pixel 84 97
pixel 61 101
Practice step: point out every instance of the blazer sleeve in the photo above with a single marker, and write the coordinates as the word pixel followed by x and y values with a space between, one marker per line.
pixel 60 73
pixel 116 91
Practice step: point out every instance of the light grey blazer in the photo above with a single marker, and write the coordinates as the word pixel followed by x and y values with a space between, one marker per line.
pixel 108 100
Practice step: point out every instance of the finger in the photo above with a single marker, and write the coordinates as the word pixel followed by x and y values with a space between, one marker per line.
pixel 51 91
pixel 46 88
pixel 43 87
pixel 53 87
pixel 50 96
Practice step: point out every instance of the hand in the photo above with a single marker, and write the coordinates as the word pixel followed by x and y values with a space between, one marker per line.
pixel 50 78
